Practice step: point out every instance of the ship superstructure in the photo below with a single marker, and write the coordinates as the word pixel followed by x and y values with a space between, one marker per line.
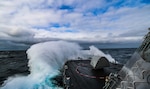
pixel 136 72
pixel 144 49
pixel 97 73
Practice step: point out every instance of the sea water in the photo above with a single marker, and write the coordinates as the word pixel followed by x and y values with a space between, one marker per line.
pixel 43 62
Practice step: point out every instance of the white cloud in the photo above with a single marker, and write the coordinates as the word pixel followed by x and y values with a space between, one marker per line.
pixel 31 19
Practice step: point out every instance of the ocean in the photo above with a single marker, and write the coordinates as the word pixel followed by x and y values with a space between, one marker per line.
pixel 14 63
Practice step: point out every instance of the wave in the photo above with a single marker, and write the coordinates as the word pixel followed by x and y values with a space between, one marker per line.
pixel 45 60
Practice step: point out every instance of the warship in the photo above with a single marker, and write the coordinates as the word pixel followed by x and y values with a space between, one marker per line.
pixel 97 72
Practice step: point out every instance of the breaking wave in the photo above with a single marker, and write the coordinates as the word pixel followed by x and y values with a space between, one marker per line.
pixel 45 60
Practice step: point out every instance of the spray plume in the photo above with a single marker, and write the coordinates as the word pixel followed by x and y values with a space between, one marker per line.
pixel 45 60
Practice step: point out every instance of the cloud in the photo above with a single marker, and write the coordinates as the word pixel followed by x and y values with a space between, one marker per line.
pixel 32 21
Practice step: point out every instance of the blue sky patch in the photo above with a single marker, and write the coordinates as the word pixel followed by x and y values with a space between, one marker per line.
pixel 66 7
pixel 145 1
pixel 66 25
pixel 71 31
pixel 98 11
pixel 56 25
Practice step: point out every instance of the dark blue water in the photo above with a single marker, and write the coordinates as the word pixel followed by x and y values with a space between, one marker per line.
pixel 16 62
pixel 121 55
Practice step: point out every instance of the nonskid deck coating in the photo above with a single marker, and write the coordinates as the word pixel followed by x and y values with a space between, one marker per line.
pixel 83 76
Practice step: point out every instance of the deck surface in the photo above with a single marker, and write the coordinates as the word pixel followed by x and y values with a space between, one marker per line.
pixel 83 76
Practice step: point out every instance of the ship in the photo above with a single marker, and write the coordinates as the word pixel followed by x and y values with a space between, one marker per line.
pixel 97 72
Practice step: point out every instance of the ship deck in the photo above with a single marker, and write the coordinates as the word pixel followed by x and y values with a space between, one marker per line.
pixel 82 76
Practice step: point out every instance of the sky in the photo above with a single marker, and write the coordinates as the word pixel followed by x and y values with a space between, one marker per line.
pixel 26 22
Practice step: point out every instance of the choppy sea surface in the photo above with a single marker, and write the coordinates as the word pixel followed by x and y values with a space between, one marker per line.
pixel 16 62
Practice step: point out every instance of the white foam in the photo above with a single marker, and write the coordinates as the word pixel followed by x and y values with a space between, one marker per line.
pixel 96 52
pixel 45 60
